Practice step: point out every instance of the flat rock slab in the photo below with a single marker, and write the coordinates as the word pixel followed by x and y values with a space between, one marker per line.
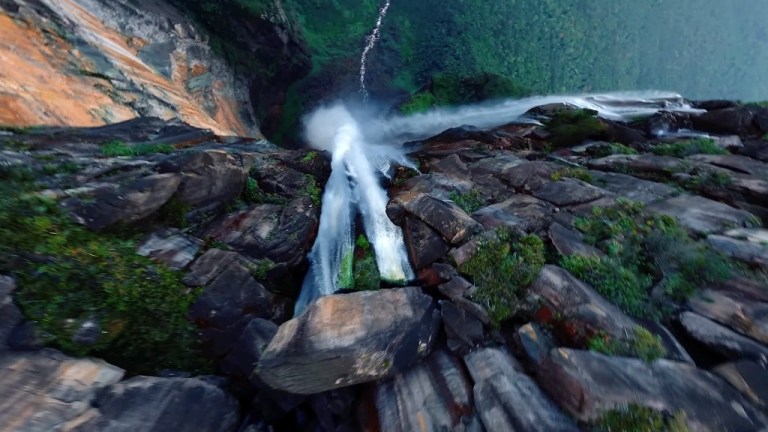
pixel 743 250
pixel 742 313
pixel 45 390
pixel 587 384
pixel 435 395
pixel 721 339
pixel 424 244
pixel 521 213
pixel 570 242
pixel 569 192
pixel 508 400
pixel 632 188
pixel 170 247
pixel 530 176
pixel 10 315
pixel 347 339
pixel 444 216
pixel 163 404
pixel 736 163
pixel 701 215
pixel 749 377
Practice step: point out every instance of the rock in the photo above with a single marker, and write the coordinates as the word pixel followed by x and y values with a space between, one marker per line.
pixel 632 188
pixel 586 384
pixel 735 120
pixel 530 176
pixel 750 378
pixel 675 350
pixel 464 330
pixel 533 344
pixel 10 315
pixel 756 149
pixel 127 204
pixel 571 299
pixel 247 351
pixel 445 217
pixel 751 253
pixel 26 336
pixel 521 213
pixel 570 242
pixel 741 312
pixel 46 390
pixel 209 266
pixel 648 165
pixel 170 247
pixel 452 166
pixel 434 395
pixel 740 164
pixel 700 215
pixel 721 339
pixel 160 404
pixel 508 400
pixel 342 340
pixel 207 177
pixel 569 192
pixel 424 245
pixel 459 291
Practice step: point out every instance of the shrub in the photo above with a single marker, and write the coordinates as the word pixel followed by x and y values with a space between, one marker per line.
pixel 636 418
pixel 501 268
pixel 116 148
pixel 69 276
pixel 470 201
pixel 577 173
pixel 309 157
pixel 689 147
pixel 312 190
pixel 572 126
pixel 643 344
pixel 612 149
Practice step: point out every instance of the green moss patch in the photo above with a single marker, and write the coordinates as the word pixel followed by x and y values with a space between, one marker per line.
pixel 636 418
pixel 502 267
pixel 689 147
pixel 470 201
pixel 570 127
pixel 643 344
pixel 116 148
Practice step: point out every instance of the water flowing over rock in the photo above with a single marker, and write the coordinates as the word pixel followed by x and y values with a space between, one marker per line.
pixel 347 339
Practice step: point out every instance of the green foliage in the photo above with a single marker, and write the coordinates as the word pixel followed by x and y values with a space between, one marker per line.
pixel 572 126
pixel 577 173
pixel 362 243
pixel 253 192
pixel 643 344
pixel 453 89
pixel 470 202
pixel 707 180
pixel 260 270
pixel 420 102
pixel 637 418
pixel 346 274
pixel 174 213
pixel 116 148
pixel 69 276
pixel 689 147
pixel 641 250
pixel 366 273
pixel 312 190
pixel 309 157
pixel 613 149
pixel 501 268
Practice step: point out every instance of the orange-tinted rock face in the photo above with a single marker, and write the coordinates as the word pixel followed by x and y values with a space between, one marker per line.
pixel 63 65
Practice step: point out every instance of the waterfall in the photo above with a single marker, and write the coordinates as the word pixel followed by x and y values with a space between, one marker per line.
pixel 370 42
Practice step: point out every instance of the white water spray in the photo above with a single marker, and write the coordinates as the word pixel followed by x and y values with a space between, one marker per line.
pixel 370 43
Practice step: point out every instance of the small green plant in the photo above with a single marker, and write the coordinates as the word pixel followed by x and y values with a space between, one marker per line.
pixel 502 267
pixel 116 148
pixel 637 418
pixel 643 344
pixel 572 126
pixel 707 180
pixel 577 173
pixel 470 201
pixel 309 157
pixel 260 270
pixel 689 147
pixel 312 190
pixel 346 270
pixel 609 149
pixel 252 191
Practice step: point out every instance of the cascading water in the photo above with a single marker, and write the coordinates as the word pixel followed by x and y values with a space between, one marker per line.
pixel 370 42
pixel 354 184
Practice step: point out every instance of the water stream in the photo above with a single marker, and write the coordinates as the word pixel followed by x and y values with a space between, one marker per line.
pixel 370 43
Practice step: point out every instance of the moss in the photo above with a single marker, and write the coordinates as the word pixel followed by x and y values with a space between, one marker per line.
pixel 612 149
pixel 643 344
pixel 312 190
pixel 572 126
pixel 362 242
pixel 707 180
pixel 420 102
pixel 446 89
pixel 636 418
pixel 309 157
pixel 577 173
pixel 689 147
pixel 116 148
pixel 252 192
pixel 69 276
pixel 174 213
pixel 346 273
pixel 366 273
pixel 501 268
pixel 470 201
pixel 261 268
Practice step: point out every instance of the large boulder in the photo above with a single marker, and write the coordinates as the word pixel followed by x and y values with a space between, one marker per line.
pixel 47 390
pixel 750 378
pixel 632 188
pixel 569 192
pixel 520 213
pixel 721 339
pixel 424 244
pixel 154 404
pixel 347 339
pixel 435 395
pixel 507 399
pixel 207 177
pixel 588 384
pixel 445 217
pixel 737 310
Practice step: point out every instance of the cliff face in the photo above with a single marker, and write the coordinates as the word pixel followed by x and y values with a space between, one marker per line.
pixel 94 62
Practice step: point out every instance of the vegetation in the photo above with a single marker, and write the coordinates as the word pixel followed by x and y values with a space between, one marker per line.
pixel 470 201
pixel 116 148
pixel 502 267
pixel 309 157
pixel 642 250
pixel 577 173
pixel 312 190
pixel 572 126
pixel 637 418
pixel 643 344
pixel 609 149
pixel 71 279
pixel 359 271
pixel 689 147
pixel 451 89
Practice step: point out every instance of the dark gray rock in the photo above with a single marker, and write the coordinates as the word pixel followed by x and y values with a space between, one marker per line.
pixel 586 384
pixel 445 217
pixel 743 250
pixel 342 340
pixel 750 378
pixel 533 344
pixel 207 177
pixel 632 188
pixel 126 204
pixel 170 247
pixel 463 329
pixel 735 120
pixel 722 339
pixel 209 266
pixel 644 165
pixel 10 315
pixel 508 400
pixel 434 395
pixel 741 164
pixel 570 242
pixel 47 390
pixel 247 351
pixel 739 311
pixel 160 404
pixel 530 176
pixel 569 192
pixel 424 245
pixel 521 213
pixel 701 215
